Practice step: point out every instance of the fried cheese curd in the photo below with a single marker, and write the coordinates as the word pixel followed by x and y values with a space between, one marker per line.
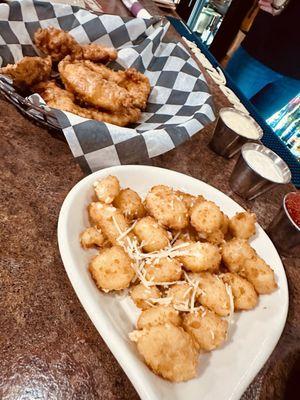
pixel 92 236
pixel 159 315
pixel 187 265
pixel 107 189
pixel 199 256
pixel 244 294
pixel 130 204
pixel 165 206
pixel 141 295
pixel 168 351
pixel 151 235
pixel 213 293
pixel 163 270
pixel 206 328
pixel 111 269
pixel 242 225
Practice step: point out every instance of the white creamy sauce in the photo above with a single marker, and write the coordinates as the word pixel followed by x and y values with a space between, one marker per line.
pixel 263 165
pixel 240 124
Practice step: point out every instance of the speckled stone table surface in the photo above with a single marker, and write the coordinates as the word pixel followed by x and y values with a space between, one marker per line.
pixel 49 347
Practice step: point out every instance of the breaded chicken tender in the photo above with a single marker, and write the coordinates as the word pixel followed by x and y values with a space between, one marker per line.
pixel 203 257
pixel 92 236
pixel 140 294
pixel 242 225
pixel 163 270
pixel 180 295
pixel 235 252
pixel 168 351
pixel 213 294
pixel 151 234
pixel 260 274
pixel 206 217
pixel 107 189
pixel 159 315
pixel 167 208
pixel 130 203
pixel 206 328
pixel 110 220
pixel 244 294
pixel 111 269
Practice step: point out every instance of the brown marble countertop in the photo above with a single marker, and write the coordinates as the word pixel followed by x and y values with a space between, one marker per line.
pixel 49 347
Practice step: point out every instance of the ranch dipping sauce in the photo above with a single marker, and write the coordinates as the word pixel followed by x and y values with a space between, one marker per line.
pixel 263 165
pixel 241 124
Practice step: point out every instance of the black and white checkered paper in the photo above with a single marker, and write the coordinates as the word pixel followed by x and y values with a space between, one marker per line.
pixel 179 105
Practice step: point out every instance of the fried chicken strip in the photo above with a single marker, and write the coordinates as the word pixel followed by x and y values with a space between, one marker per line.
pixel 135 82
pixel 28 71
pixel 58 44
pixel 63 100
pixel 90 87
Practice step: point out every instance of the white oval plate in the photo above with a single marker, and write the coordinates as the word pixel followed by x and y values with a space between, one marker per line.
pixel 224 373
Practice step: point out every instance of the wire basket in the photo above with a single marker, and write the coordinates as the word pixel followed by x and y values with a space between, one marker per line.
pixel 42 115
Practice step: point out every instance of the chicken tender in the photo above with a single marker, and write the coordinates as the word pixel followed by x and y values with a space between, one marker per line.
pixel 168 351
pixel 92 236
pixel 244 294
pixel 61 99
pixel 260 274
pixel 163 270
pixel 91 88
pixel 137 84
pixel 213 294
pixel 58 44
pixel 140 294
pixel 110 220
pixel 203 256
pixel 235 252
pixel 159 315
pixel 180 295
pixel 107 189
pixel 28 71
pixel 111 269
pixel 242 225
pixel 130 203
pixel 206 328
pixel 206 217
pixel 167 208
pixel 151 234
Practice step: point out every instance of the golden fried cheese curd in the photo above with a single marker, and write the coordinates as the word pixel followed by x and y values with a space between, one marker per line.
pixel 168 351
pixel 130 204
pixel 206 217
pixel 235 252
pixel 92 236
pixel 109 219
pixel 165 269
pixel 242 225
pixel 151 234
pixel 180 294
pixel 188 199
pixel 107 189
pixel 200 257
pixel 111 269
pixel 260 274
pixel 213 293
pixel 206 328
pixel 140 294
pixel 158 315
pixel 167 208
pixel 244 294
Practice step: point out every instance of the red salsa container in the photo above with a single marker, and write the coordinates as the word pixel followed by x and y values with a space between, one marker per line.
pixel 292 207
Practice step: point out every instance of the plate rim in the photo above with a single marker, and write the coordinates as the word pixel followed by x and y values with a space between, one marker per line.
pixel 141 389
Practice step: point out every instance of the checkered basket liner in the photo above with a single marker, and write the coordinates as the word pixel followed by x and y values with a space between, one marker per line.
pixel 179 105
